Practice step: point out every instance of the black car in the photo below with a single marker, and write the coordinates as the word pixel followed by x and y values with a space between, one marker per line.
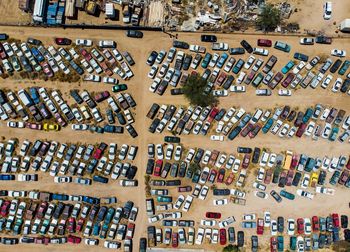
pixel 34 41
pixel 131 131
pixel 199 154
pixel 280 224
pixel 322 178
pixel 335 65
pixel 240 238
pixel 176 91
pixel 187 62
pixel 344 221
pixel 220 115
pixel 285 112
pixel 296 179
pixel 154 125
pixel 236 51
pixel 153 111
pixel 171 139
pixel 182 170
pixel 127 209
pixel 219 192
pixel 143 244
pixel 209 38
pixel 244 150
pixel 134 34
pixel 247 46
pixel 150 166
pixel 256 155
pixel 276 196
pixel 74 93
pixel 180 44
pixel 345 86
pixel 175 182
pixel 152 58
pixel 228 82
pixel 255 243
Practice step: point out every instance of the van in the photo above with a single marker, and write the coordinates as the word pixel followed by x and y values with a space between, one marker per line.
pixel 282 46
pixel 107 44
pixel 25 98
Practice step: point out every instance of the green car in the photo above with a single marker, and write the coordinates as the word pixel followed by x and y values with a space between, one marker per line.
pixel 119 87
pixel 257 80
pixel 287 195
pixel 333 134
pixel 166 199
pixel 287 67
pixel 282 46
pixel 172 139
pixel 293 243
pixel 344 67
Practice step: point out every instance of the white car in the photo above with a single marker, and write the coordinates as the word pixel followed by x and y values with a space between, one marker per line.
pixel 305 194
pixel 290 226
pixel 200 236
pixel 338 53
pixel 261 174
pixel 327 10
pixel 261 51
pixel 249 62
pixel 109 80
pixel 219 202
pixel 305 181
pixel 273 227
pixel 310 128
pixel 325 190
pixel 326 81
pixel 187 203
pixel 337 84
pixel 83 42
pixel 237 89
pixel 284 92
pixel 267 219
pixel 152 73
pixel 220 93
pixel 217 138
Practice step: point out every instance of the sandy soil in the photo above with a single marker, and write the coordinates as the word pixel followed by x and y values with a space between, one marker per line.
pixel 138 86
pixel 11 14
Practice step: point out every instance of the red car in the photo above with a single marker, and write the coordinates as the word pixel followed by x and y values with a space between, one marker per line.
pixel 230 178
pixel 221 175
pixel 295 161
pixel 264 42
pixel 174 240
pixel 348 163
pixel 34 126
pixel 273 244
pixel 106 69
pixel 184 188
pixel 301 130
pixel 246 161
pixel 85 54
pixel 268 176
pixel 315 224
pixel 221 78
pixel 42 209
pixel 260 226
pixel 343 177
pixel 212 175
pixel 47 70
pixel 289 78
pixel 99 151
pixel 130 231
pixel 213 215
pixel 247 129
pixel 158 167
pixel 71 225
pixel 335 218
pixel 290 176
pixel 5 208
pixel 80 224
pixel 3 54
pixel 223 236
pixel 212 114
pixel 300 226
pixel 63 41
pixel 74 239
pixel 101 96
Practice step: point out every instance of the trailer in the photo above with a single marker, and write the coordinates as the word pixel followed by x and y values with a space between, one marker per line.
pixel 110 11
pixel 345 25
pixel 70 8
pixel 39 11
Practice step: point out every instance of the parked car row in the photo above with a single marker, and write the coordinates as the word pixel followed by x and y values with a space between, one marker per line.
pixel 165 75
pixel 64 159
pixel 283 121
pixel 82 219
pixel 43 107
pixel 36 58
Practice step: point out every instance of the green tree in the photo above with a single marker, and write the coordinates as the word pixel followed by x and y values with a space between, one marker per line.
pixel 230 248
pixel 269 18
pixel 194 167
pixel 194 91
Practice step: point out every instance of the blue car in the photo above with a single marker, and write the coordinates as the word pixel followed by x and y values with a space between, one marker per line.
pixel 309 112
pixel 222 60
pixel 244 120
pixel 96 229
pixel 34 94
pixel 7 177
pixel 300 56
pixel 333 134
pixel 100 179
pixel 238 66
pixel 91 200
pixel 37 54
pixel 58 196
pixel 287 67
pixel 267 125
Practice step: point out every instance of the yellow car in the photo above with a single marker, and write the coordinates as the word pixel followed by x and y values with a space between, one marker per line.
pixel 51 127
pixel 314 179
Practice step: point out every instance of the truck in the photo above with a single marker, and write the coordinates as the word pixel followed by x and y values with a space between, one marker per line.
pixel 219 46
pixel 238 201
pixel 197 49
pixel 288 159
pixel 307 80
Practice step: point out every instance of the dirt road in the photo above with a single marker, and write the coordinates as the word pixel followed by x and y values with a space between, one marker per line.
pixel 138 87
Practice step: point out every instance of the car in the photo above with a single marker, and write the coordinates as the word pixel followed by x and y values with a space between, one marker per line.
pixel 306 41
pixel 246 46
pixel 338 53
pixel 134 34
pixel 63 41
pixel 208 38
pixel 264 42
pixel 327 10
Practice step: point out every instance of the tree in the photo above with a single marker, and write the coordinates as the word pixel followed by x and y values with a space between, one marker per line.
pixel 230 248
pixel 269 18
pixel 194 91
pixel 194 167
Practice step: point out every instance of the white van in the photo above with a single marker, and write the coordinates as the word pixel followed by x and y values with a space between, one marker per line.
pixel 25 98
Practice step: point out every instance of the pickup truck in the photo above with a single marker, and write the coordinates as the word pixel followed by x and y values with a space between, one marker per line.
pixel 238 201
pixel 197 49
pixel 219 46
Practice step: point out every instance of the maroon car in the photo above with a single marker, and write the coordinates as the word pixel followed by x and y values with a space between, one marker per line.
pixel 47 70
pixel 343 177
pixel 221 78
pixel 101 96
pixel 221 175
pixel 223 236
pixel 42 209
pixel 276 79
pixel 74 239
pixel 246 161
pixel 264 42
pixel 212 176
pixel 290 176
pixel 268 176
pixel 184 188
pixel 85 54
pixel 301 130
pixel 3 54
pixel 71 225
pixel 247 129
pixel 5 208
pixel 289 78
pixel 34 126
pixel 63 41
pixel 174 240
pixel 213 215
pixel 255 131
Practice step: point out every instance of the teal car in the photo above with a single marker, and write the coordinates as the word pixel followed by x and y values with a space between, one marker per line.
pixel 267 125
pixel 287 67
pixel 280 243
pixel 166 199
pixel 119 87
pixel 309 112
pixel 287 195
pixel 335 177
pixel 292 243
pixel 18 226
pixel 222 60
pixel 333 134
pixel 196 176
pixel 258 79
pixel 109 215
pixel 344 67
pixel 282 46
pixel 206 60
pixel 96 229
pixel 238 66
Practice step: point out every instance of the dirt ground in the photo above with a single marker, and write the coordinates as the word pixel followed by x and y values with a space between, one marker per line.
pixel 138 87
